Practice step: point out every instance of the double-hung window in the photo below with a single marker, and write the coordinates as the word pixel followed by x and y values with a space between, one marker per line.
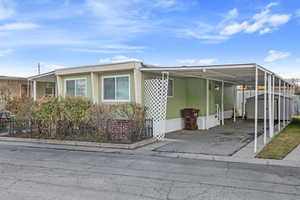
pixel 76 87
pixel 116 88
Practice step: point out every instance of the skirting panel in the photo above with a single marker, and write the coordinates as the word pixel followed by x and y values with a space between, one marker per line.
pixel 174 124
pixel 178 123
pixel 228 114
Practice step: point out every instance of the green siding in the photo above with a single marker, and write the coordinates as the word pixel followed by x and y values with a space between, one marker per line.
pixel 196 95
pixel 188 92
pixel 229 98
pixel 88 78
pixel 178 100
pixel 191 93
pixel 115 73
pixel 99 76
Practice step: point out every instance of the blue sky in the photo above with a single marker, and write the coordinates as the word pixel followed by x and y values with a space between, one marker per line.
pixel 63 33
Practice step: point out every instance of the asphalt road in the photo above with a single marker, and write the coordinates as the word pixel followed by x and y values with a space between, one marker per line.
pixel 41 173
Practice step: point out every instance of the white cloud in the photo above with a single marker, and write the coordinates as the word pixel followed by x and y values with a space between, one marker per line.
pixel 125 19
pixel 298 13
pixel 232 14
pixel 18 26
pixel 6 9
pixel 276 20
pixel 117 59
pixel 122 46
pixel 234 28
pixel 104 51
pixel 165 3
pixel 186 61
pixel 262 22
pixel 207 61
pixel 202 35
pixel 112 49
pixel 210 33
pixel 119 17
pixel 276 55
pixel 6 52
pixel 46 67
pixel 272 4
pixel 204 32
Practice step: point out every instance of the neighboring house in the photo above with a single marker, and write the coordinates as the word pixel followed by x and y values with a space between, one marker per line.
pixel 44 84
pixel 15 86
pixel 22 87
pixel 165 91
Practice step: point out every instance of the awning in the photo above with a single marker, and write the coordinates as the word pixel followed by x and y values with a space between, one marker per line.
pixel 237 74
pixel 45 77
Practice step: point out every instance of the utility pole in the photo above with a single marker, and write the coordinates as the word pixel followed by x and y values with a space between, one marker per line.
pixel 39 68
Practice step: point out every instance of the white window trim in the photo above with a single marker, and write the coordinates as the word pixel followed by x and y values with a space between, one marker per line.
pixel 115 100
pixel 173 86
pixel 74 79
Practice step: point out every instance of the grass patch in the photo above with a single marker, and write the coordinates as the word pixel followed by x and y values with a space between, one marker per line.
pixel 283 143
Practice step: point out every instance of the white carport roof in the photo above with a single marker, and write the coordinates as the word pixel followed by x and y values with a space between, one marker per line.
pixel 238 74
pixel 241 74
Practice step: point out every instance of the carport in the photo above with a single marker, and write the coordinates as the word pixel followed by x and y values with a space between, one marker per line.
pixel 244 75
pixel 42 85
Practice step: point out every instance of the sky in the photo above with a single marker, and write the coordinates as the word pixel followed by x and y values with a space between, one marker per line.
pixel 69 33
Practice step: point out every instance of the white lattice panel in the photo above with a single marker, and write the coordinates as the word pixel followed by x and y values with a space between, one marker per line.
pixel 156 94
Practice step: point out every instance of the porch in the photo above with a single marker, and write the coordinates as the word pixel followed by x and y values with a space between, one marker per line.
pixel 43 85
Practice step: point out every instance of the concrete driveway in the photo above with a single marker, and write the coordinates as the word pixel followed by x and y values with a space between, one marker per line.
pixel 222 140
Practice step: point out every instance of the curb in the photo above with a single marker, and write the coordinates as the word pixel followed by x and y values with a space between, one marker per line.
pixel 79 143
pixel 75 145
pixel 267 162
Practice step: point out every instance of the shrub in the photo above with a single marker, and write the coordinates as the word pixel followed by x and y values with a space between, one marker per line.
pixel 75 108
pixel 22 108
pixel 70 108
pixel 5 97
pixel 98 112
pixel 71 116
pixel 131 111
pixel 48 109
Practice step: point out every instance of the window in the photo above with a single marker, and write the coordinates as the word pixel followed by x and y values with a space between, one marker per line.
pixel 76 87
pixel 49 92
pixel 171 88
pixel 116 88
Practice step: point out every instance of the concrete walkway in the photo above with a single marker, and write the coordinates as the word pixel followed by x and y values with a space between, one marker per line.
pixel 294 155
